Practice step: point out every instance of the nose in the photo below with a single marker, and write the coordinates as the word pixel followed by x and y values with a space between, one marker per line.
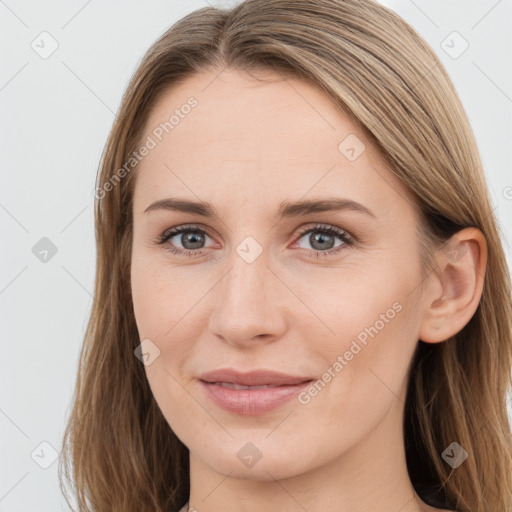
pixel 248 303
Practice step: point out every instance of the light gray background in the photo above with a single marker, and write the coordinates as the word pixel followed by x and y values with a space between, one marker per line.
pixel 56 114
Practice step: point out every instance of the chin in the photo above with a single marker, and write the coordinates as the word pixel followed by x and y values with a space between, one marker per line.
pixel 271 466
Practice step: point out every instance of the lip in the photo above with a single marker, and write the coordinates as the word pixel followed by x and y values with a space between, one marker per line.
pixel 251 402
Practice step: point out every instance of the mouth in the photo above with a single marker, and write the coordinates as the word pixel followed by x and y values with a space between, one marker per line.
pixel 253 393
pixel 232 385
pixel 253 378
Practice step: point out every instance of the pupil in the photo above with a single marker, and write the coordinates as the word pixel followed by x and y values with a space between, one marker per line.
pixel 319 237
pixel 193 238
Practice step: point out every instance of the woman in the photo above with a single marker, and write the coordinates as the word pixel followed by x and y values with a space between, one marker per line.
pixel 228 366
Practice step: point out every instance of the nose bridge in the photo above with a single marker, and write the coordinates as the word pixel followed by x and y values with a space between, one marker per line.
pixel 246 302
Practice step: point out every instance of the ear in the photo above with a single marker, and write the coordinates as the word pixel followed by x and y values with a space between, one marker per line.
pixel 455 288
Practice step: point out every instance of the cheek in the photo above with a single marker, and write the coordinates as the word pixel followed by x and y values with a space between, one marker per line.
pixel 361 379
pixel 161 296
pixel 166 309
pixel 373 338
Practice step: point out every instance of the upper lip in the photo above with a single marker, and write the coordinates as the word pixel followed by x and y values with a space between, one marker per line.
pixel 252 378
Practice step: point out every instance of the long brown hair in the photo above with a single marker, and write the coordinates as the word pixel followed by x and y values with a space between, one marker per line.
pixel 118 451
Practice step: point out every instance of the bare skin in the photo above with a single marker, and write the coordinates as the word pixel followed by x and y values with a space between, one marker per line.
pixel 245 148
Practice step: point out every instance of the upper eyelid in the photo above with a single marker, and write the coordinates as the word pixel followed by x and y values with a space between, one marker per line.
pixel 319 226
pixel 303 230
pixel 176 230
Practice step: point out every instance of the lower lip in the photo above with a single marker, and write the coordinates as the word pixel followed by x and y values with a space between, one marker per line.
pixel 251 402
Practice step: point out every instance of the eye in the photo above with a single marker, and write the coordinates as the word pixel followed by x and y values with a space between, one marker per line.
pixel 188 240
pixel 190 237
pixel 322 239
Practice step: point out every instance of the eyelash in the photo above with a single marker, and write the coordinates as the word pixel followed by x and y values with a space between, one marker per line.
pixel 326 229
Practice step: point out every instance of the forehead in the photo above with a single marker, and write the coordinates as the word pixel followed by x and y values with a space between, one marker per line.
pixel 278 137
pixel 273 114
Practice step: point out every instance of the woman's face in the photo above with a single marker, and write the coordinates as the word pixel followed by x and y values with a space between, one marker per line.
pixel 260 285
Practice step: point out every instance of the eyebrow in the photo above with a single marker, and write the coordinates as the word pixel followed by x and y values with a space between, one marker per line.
pixel 286 209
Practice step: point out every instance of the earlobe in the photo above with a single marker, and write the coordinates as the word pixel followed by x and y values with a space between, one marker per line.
pixel 461 264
